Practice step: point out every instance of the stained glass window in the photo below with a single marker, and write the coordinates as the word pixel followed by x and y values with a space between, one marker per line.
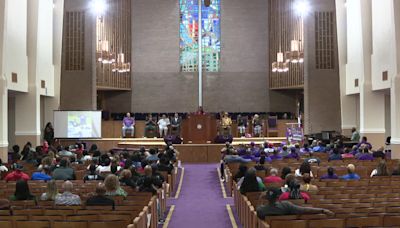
pixel 211 44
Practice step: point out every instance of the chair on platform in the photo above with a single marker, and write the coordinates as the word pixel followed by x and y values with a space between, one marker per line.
pixel 272 126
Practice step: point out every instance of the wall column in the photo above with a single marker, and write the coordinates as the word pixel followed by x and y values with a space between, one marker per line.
pixel 348 105
pixel 27 106
pixel 372 103
pixel 3 90
pixel 395 90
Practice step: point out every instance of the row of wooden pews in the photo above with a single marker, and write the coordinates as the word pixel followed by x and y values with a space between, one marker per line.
pixel 369 202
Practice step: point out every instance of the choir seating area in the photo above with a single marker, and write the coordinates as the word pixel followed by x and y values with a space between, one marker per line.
pixel 369 202
pixel 137 210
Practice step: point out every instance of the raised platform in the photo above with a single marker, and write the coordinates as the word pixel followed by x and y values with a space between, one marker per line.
pixel 193 153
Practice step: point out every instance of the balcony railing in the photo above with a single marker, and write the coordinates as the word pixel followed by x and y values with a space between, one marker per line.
pixel 114 81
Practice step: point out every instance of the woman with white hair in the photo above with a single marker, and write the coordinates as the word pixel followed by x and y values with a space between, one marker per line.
pixel 257 125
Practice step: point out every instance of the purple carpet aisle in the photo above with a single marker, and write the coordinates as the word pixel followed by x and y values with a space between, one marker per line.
pixel 200 203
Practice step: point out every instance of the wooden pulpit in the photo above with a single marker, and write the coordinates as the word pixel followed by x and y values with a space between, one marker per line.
pixel 199 128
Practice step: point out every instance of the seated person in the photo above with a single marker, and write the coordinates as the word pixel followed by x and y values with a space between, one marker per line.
pixel 347 154
pixel 285 171
pixel 125 178
pixel 305 149
pixel 335 155
pixel 150 126
pixel 165 165
pixel 64 172
pixel 152 155
pixel 351 175
pixel 128 123
pixel 242 125
pixel 330 175
pixel 276 156
pixel 396 169
pixel 275 207
pixel 176 124
pixel 304 168
pixel 307 186
pixel 273 177
pixel 294 192
pixel 3 168
pixel 364 142
pixel 260 166
pixel 51 192
pixel 293 154
pixel 364 155
pixel 113 187
pixel 320 147
pixel 284 151
pixel 17 173
pixel 100 199
pixel 147 182
pixel 226 123
pixel 240 173
pixel 42 174
pixel 163 124
pixel 67 198
pixel 250 182
pixel 235 158
pixel 381 170
pixel 312 159
pixel 355 136
pixel 22 191
pixel 257 126
pixel 92 175
pixel 379 153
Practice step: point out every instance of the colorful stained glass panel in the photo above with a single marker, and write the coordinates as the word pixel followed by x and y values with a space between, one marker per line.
pixel 211 44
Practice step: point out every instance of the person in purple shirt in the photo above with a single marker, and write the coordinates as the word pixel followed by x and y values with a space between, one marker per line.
pixel 305 149
pixel 364 142
pixel 254 150
pixel 293 154
pixel 276 156
pixel 365 156
pixel 330 175
pixel 128 123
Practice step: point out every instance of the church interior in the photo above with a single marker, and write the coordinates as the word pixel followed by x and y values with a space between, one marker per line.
pixel 199 113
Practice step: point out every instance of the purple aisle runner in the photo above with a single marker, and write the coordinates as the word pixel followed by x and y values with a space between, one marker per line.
pixel 200 203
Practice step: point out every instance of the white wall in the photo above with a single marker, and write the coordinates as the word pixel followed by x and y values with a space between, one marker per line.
pixel 15 53
pixel 44 58
pixel 354 67
pixel 383 41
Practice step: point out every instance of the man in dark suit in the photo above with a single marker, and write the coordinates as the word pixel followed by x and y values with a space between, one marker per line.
pixel 176 124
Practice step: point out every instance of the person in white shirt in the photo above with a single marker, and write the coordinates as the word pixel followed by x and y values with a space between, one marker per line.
pixel 3 168
pixel 163 125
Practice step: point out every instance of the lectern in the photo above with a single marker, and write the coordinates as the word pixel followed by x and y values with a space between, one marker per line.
pixel 199 128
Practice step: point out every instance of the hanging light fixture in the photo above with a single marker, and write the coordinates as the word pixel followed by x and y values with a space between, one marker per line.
pixel 280 66
pixel 103 53
pixel 120 66
pixel 294 55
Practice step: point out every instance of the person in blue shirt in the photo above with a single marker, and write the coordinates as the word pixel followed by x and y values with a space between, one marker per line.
pixel 330 175
pixel 335 155
pixel 351 175
pixel 43 174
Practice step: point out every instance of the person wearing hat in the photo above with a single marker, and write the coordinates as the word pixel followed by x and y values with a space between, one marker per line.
pixel 275 207
pixel 351 175
pixel 17 173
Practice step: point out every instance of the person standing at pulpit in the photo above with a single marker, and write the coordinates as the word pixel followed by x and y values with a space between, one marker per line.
pixel 128 123
pixel 226 123
pixel 242 125
pixel 150 126
pixel 163 125
pixel 176 124
pixel 257 125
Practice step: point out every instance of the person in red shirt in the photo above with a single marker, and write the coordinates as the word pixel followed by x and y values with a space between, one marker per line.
pixel 17 174
pixel 294 192
pixel 45 147
pixel 273 178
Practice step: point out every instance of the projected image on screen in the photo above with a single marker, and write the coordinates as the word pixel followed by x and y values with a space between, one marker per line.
pixel 79 125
